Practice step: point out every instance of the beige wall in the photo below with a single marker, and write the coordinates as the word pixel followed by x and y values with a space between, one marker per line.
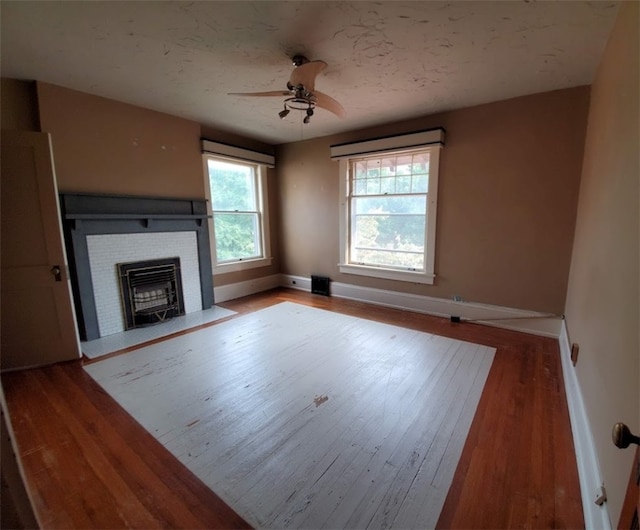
pixel 105 146
pixel 603 295
pixel 509 180
pixel 19 109
pixel 109 147
pixel 508 187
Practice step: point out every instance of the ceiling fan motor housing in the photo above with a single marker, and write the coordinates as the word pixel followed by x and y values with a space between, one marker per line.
pixel 299 60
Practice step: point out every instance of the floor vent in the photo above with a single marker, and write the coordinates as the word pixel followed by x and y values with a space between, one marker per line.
pixel 320 285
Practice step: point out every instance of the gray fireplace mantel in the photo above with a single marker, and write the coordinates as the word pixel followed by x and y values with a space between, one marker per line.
pixel 88 214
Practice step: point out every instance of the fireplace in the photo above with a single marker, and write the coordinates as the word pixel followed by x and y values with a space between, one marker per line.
pixel 151 291
pixel 102 231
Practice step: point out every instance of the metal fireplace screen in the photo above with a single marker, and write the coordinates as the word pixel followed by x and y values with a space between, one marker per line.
pixel 151 291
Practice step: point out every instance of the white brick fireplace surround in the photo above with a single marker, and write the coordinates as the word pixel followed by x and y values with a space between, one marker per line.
pixel 107 250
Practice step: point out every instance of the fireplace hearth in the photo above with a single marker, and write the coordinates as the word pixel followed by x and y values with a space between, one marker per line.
pixel 151 291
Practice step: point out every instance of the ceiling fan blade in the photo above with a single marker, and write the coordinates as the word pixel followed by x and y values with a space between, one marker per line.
pixel 306 74
pixel 328 103
pixel 279 93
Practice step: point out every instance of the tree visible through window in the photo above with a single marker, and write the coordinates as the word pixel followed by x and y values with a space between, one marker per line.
pixel 388 207
pixel 236 210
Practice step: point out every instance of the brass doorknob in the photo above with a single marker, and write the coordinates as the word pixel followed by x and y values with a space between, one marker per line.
pixel 622 437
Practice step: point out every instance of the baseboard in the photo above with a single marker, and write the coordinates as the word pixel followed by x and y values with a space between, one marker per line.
pixel 596 517
pixel 490 315
pixel 245 288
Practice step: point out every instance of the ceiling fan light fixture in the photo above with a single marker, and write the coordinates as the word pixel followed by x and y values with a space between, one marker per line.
pixel 309 114
pixel 284 113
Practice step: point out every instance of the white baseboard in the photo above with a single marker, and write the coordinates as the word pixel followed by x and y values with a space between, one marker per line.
pixel 296 282
pixel 595 517
pixel 240 289
pixel 490 315
pixel 502 317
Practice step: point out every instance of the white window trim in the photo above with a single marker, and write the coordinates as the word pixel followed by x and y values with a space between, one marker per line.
pixel 425 277
pixel 263 200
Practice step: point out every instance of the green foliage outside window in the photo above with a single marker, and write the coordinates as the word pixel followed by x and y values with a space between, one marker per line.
pixel 234 202
pixel 389 211
pixel 235 236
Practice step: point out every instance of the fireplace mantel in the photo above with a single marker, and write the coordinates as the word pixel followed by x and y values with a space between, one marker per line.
pixel 89 214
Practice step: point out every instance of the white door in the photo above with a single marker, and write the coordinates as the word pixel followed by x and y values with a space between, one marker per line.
pixel 37 319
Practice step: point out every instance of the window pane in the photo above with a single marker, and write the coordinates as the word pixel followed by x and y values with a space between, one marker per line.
pixel 420 163
pixel 404 165
pixel 420 184
pixel 237 236
pixel 373 168
pixel 361 170
pixel 393 259
pixel 373 186
pixel 403 184
pixel 388 185
pixel 390 204
pixel 393 240
pixel 232 186
pixel 388 167
pixel 389 175
pixel 388 210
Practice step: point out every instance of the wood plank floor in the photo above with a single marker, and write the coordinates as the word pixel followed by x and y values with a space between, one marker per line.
pixel 90 465
pixel 300 417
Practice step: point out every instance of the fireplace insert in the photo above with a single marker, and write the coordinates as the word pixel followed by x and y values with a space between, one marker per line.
pixel 151 291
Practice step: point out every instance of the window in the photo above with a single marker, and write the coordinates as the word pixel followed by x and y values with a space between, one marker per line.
pixel 239 222
pixel 389 203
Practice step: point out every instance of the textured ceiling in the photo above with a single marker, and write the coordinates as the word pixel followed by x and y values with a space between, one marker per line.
pixel 387 60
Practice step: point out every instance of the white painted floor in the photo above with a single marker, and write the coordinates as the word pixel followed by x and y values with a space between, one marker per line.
pixel 119 341
pixel 303 418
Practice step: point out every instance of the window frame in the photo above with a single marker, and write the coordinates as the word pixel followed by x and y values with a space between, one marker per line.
pixel 427 276
pixel 260 176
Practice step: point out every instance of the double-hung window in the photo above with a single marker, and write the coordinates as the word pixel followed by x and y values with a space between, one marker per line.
pixel 237 194
pixel 389 213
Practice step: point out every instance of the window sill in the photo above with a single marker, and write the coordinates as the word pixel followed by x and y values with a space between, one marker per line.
pixel 388 274
pixel 241 265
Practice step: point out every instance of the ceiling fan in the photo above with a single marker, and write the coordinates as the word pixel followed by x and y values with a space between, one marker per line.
pixel 301 93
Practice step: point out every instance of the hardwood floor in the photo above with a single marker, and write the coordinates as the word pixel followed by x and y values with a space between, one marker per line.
pixel 90 465
pixel 300 417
